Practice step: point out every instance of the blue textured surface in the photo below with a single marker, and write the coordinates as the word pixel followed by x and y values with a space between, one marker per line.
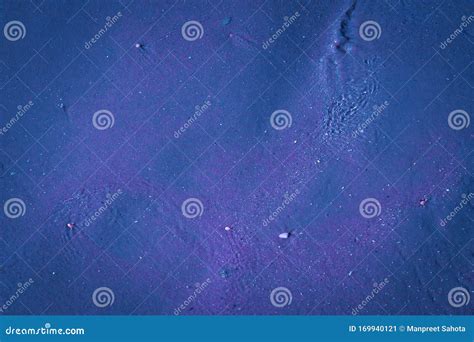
pixel 230 157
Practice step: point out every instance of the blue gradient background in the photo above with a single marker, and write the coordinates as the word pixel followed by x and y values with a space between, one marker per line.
pixel 231 158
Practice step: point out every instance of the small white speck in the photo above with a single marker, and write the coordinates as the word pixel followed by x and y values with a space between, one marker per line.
pixel 227 228
pixel 284 235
